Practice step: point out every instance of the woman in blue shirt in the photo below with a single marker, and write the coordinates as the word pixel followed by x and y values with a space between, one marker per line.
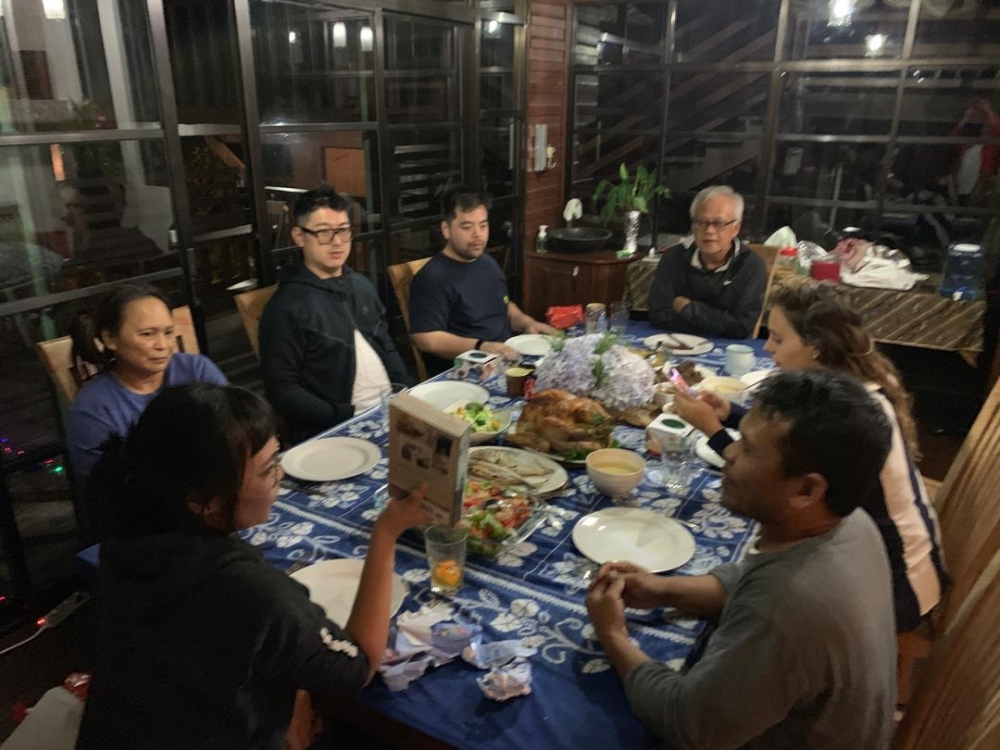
pixel 132 344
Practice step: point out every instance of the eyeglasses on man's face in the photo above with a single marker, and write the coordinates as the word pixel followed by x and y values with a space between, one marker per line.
pixel 327 236
pixel 718 225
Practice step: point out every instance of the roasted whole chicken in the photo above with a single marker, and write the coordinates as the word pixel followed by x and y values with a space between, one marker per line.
pixel 556 421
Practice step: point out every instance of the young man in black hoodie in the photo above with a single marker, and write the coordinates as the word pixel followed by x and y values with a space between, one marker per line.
pixel 325 348
pixel 715 286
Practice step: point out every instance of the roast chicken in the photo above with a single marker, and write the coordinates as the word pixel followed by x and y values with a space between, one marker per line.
pixel 556 421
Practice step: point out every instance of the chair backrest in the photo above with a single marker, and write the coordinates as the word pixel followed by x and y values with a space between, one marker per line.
pixel 967 507
pixel 957 701
pixel 251 306
pixel 767 253
pixel 69 376
pixel 401 276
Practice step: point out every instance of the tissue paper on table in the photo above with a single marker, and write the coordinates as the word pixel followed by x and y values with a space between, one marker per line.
pixel 430 637
pixel 507 682
pixel 496 654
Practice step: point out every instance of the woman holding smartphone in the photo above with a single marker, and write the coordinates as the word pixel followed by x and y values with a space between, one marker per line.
pixel 813 325
pixel 204 644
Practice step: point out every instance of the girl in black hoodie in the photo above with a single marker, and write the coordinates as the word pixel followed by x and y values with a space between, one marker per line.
pixel 204 644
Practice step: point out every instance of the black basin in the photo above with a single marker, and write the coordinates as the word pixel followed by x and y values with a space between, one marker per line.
pixel 578 239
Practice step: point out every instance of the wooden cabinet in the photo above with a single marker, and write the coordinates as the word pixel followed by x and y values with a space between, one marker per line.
pixel 566 279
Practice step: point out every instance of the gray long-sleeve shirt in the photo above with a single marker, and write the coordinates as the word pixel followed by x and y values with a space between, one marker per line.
pixel 804 655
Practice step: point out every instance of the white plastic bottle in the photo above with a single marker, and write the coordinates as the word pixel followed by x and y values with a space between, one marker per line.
pixel 542 242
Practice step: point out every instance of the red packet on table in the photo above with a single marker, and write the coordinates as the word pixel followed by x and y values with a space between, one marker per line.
pixel 565 317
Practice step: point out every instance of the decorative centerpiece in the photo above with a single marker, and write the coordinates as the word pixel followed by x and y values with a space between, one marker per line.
pixel 598 367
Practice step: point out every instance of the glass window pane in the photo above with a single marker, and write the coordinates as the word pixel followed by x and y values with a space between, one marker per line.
pixel 81 214
pixel 724 31
pixel 842 103
pixel 216 182
pixel 957 30
pixel 618 101
pixel 814 223
pixel 846 29
pixel 415 242
pixel 725 102
pixel 426 164
pixel 497 91
pixel 203 55
pixel 958 102
pixel 693 163
pixel 313 64
pixel 497 45
pixel 944 175
pixel 68 75
pixel 423 45
pixel 346 160
pixel 599 157
pixel 833 171
pixel 499 155
pixel 924 233
pixel 620 34
pixel 420 98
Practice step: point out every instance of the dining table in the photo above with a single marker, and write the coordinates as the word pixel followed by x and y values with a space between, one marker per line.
pixel 533 590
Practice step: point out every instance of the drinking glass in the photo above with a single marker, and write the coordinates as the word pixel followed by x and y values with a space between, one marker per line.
pixel 676 471
pixel 618 319
pixel 445 558
pixel 386 396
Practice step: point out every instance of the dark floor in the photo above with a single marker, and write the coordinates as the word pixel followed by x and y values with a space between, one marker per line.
pixel 948 395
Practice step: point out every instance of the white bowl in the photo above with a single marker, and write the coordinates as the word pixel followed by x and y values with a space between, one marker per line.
pixel 445 393
pixel 729 388
pixel 615 471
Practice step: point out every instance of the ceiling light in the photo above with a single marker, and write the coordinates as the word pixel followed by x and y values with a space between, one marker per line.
pixel 367 37
pixel 339 35
pixel 840 12
pixel 875 43
pixel 292 37
pixel 55 10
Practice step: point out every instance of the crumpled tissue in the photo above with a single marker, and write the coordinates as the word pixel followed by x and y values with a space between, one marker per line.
pixel 435 635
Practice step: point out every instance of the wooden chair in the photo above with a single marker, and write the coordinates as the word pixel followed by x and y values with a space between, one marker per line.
pixel 251 306
pixel 767 253
pixel 401 275
pixel 969 516
pixel 69 376
pixel 957 703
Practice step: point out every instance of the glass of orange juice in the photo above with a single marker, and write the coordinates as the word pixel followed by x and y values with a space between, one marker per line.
pixel 446 558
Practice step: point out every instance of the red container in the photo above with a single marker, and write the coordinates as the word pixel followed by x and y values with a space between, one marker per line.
pixel 825 269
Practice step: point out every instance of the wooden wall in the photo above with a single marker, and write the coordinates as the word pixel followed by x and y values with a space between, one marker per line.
pixel 549 46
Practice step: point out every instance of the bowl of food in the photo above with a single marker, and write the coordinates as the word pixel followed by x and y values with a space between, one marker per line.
pixel 615 471
pixel 486 422
pixel 730 389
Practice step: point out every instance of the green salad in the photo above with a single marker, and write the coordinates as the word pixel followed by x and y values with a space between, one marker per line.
pixel 480 416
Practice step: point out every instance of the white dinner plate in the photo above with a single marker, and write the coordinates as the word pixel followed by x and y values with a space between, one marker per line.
pixel 328 459
pixel 445 393
pixel 706 454
pixel 697 344
pixel 333 584
pixel 643 537
pixel 557 481
pixel 531 344
pixel 755 377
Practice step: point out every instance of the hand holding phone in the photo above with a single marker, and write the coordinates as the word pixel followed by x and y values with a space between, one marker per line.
pixel 680 383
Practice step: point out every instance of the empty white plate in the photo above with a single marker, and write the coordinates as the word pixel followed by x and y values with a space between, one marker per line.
pixel 333 584
pixel 755 377
pixel 643 537
pixel 445 393
pixel 695 345
pixel 531 344
pixel 328 459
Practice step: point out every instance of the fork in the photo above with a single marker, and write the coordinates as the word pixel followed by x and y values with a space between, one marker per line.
pixel 302 562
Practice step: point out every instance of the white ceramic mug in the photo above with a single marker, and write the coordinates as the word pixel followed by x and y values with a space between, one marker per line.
pixel 739 359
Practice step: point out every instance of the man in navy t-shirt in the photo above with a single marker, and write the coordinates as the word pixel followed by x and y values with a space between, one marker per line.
pixel 459 300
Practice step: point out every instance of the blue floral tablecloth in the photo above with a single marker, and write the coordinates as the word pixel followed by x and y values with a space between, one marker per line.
pixel 533 590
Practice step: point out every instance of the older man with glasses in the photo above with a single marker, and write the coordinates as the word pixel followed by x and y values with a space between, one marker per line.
pixel 325 348
pixel 713 286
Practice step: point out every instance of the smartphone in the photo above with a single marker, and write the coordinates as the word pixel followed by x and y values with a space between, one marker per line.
pixel 679 382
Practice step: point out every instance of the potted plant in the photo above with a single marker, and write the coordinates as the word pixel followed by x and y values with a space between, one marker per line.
pixel 630 198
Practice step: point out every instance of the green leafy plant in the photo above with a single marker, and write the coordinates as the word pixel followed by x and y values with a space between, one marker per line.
pixel 632 193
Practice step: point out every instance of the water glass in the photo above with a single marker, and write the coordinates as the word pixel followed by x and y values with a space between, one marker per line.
pixel 676 471
pixel 386 396
pixel 446 558
pixel 618 318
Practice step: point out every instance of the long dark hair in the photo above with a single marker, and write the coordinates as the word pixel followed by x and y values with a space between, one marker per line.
pixel 824 316
pixel 190 445
pixel 86 327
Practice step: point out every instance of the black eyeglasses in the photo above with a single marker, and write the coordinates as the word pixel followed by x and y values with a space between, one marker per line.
pixel 327 236
pixel 718 226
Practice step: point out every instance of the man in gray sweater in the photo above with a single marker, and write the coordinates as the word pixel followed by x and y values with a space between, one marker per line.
pixel 804 655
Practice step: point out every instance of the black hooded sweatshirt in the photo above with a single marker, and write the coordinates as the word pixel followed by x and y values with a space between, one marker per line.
pixel 307 347
pixel 203 645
